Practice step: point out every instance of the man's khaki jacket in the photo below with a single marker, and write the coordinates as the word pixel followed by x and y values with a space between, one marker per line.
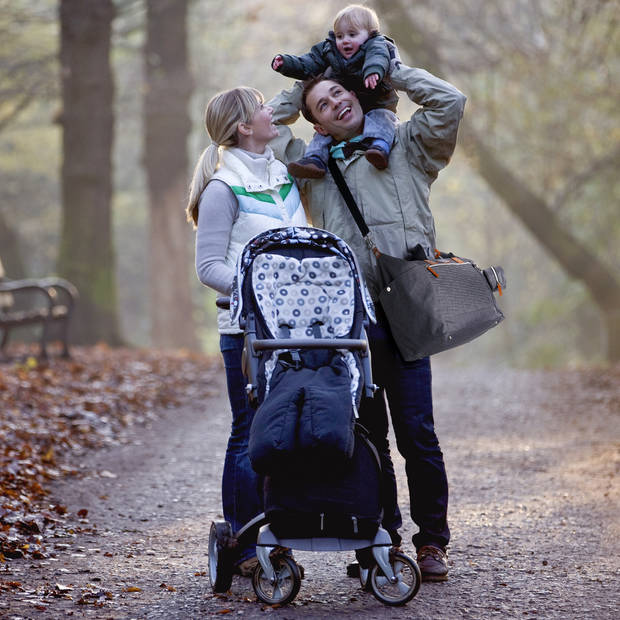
pixel 394 202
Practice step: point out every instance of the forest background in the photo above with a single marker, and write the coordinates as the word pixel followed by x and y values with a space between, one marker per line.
pixel 101 107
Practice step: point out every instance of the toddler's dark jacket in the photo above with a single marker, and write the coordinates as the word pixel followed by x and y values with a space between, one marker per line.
pixel 373 56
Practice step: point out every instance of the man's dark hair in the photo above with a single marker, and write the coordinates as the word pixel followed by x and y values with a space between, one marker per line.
pixel 309 84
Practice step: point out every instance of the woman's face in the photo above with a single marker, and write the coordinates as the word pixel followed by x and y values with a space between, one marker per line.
pixel 263 129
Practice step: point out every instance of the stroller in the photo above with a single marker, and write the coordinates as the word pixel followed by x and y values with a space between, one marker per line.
pixel 301 300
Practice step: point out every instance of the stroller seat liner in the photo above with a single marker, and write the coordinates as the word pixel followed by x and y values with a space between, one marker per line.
pixel 298 237
pixel 312 297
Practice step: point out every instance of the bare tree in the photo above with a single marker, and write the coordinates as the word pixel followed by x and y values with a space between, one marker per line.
pixel 27 77
pixel 11 254
pixel 86 254
pixel 166 129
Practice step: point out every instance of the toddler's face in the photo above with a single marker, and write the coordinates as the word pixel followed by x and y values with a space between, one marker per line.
pixel 349 39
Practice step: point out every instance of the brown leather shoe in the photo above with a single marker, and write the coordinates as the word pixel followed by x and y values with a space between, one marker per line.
pixel 433 563
pixel 377 158
pixel 306 169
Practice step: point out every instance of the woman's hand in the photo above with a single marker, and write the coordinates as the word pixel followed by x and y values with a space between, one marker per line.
pixel 277 62
pixel 371 81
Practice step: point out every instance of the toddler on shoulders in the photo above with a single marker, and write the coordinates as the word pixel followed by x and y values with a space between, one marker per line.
pixel 357 55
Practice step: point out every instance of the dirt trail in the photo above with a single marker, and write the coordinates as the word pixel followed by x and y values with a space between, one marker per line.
pixel 532 460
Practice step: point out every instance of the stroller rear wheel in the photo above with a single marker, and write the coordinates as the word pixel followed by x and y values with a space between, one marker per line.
pixel 221 556
pixel 284 587
pixel 403 588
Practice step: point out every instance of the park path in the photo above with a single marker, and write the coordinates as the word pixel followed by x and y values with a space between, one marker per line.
pixel 532 459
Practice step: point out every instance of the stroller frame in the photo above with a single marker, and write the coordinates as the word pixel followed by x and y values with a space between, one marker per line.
pixel 393 577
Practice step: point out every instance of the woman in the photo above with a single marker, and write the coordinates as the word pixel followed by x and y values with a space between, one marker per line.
pixel 238 191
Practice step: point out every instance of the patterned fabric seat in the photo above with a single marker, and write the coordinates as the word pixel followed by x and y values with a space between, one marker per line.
pixel 307 298
pixel 295 284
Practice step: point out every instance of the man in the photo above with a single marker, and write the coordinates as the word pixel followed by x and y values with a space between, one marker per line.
pixel 394 204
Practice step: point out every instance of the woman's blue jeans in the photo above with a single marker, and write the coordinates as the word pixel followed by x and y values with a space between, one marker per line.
pixel 407 386
pixel 242 487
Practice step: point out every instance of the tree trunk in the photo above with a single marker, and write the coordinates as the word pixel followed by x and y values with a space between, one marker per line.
pixel 10 254
pixel 167 126
pixel 86 254
pixel 538 217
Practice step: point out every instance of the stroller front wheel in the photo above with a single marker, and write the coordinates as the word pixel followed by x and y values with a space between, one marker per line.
pixel 281 590
pixel 403 588
pixel 221 556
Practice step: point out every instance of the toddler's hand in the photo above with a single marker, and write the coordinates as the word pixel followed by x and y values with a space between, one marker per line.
pixel 277 62
pixel 372 80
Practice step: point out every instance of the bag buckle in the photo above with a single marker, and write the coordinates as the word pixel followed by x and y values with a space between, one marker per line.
pixel 370 243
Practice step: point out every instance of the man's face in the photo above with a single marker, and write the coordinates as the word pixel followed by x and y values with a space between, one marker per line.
pixel 337 111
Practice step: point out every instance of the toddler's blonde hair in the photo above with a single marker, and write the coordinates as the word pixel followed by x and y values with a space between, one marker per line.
pixel 358 16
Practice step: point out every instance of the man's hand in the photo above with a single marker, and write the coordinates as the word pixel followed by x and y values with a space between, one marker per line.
pixel 277 62
pixel 371 81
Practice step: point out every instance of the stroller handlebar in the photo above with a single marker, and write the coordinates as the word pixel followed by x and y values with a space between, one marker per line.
pixel 351 344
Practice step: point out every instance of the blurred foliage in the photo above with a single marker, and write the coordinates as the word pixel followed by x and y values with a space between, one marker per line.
pixel 29 141
pixel 542 81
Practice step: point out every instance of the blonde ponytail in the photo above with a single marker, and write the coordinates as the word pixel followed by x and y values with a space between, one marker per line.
pixel 224 112
pixel 205 167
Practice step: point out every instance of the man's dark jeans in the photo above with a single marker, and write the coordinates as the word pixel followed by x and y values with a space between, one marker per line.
pixel 407 386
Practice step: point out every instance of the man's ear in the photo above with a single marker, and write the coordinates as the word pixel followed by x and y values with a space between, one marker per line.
pixel 319 129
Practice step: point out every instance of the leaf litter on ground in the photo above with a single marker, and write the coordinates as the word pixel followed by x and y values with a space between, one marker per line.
pixel 53 412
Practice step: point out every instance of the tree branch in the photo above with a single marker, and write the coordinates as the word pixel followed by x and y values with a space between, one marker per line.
pixel 577 182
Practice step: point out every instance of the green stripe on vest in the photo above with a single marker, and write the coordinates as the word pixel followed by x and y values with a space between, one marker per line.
pixel 284 191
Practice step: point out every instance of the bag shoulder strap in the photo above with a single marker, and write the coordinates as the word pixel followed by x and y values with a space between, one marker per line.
pixel 348 198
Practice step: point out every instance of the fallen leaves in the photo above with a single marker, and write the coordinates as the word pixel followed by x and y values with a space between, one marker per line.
pixel 8 586
pixel 51 414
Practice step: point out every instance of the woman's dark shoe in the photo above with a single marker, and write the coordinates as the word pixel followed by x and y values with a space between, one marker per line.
pixel 433 563
pixel 353 570
pixel 307 168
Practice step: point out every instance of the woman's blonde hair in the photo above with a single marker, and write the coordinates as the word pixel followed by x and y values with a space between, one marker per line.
pixel 223 114
pixel 358 16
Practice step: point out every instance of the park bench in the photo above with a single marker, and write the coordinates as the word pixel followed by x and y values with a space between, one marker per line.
pixel 47 302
